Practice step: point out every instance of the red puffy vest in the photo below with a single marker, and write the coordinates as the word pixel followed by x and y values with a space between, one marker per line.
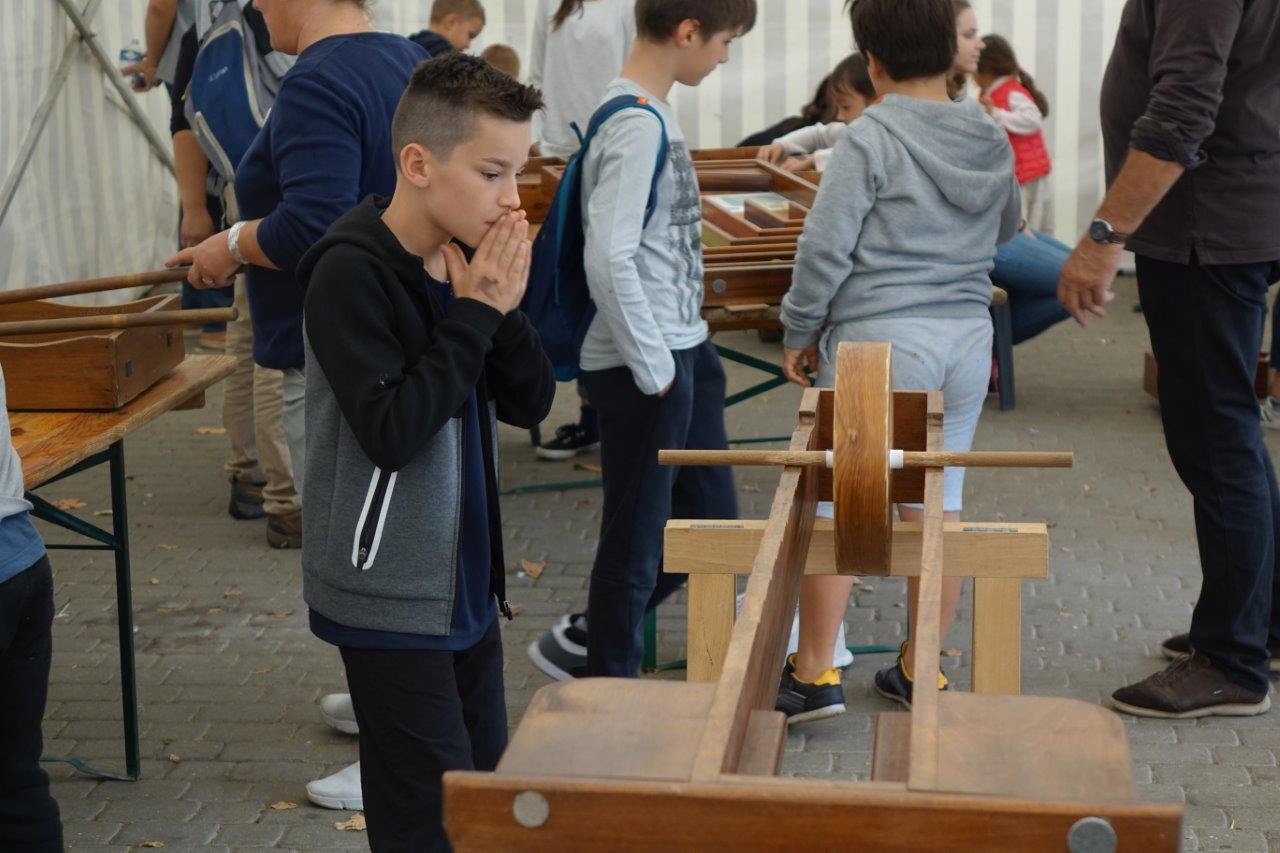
pixel 1030 156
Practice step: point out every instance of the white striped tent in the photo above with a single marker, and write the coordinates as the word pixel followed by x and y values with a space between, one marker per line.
pixel 95 200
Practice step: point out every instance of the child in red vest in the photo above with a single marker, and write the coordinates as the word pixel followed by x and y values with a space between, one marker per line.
pixel 1012 99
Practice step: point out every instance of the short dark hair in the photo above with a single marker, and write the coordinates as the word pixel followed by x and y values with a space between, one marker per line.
pixel 910 38
pixel 657 20
pixel 445 95
pixel 466 9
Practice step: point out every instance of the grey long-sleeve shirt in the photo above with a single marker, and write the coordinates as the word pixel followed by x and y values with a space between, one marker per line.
pixel 912 204
pixel 1197 82
pixel 646 281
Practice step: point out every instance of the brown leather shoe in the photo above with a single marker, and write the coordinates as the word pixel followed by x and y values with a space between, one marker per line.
pixel 1179 646
pixel 1189 687
pixel 246 500
pixel 285 530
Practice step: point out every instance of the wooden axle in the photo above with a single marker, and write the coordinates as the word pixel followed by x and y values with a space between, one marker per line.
pixel 896 459
pixel 94 285
pixel 99 322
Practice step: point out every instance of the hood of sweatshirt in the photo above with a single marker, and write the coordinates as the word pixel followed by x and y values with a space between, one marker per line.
pixel 433 43
pixel 961 150
pixel 363 228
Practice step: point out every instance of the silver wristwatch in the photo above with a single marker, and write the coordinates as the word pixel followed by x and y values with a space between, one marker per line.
pixel 1102 231
pixel 233 243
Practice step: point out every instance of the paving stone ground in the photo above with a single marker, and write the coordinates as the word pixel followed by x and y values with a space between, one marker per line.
pixel 230 676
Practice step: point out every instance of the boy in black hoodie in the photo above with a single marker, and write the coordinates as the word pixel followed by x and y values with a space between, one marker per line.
pixel 414 349
pixel 453 26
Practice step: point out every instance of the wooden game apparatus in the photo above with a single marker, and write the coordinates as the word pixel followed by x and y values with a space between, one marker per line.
pixel 94 285
pixel 101 322
pixel 627 764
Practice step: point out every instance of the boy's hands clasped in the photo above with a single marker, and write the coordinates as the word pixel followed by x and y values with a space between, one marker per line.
pixel 499 269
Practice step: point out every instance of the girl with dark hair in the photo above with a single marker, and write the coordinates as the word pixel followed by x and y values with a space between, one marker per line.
pixel 1010 96
pixel 820 110
pixel 578 47
pixel 810 147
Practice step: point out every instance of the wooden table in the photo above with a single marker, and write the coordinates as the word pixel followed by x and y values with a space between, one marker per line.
pixel 56 445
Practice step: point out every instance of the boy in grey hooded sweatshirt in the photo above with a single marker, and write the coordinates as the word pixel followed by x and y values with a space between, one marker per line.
pixel 899 247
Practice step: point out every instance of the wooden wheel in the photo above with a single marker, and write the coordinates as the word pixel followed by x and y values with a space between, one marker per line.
pixel 861 438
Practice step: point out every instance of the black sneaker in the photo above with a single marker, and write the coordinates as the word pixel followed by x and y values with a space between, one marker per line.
pixel 562 652
pixel 803 701
pixel 892 683
pixel 1190 687
pixel 246 500
pixel 1179 646
pixel 570 440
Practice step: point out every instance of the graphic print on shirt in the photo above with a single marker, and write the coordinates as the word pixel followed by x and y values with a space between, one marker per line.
pixel 684 235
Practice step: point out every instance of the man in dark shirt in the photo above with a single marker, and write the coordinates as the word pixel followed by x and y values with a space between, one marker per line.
pixel 1191 126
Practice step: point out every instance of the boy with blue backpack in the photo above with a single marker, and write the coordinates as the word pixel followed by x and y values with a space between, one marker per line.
pixel 646 362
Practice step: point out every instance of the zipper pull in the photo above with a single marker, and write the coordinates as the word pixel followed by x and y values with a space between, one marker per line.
pixel 361 557
pixel 505 607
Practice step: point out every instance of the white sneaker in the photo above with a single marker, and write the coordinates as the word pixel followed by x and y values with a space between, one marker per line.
pixel 339 791
pixel 1270 413
pixel 337 712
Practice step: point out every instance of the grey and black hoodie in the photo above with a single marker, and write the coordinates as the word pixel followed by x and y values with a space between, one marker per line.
pixel 388 377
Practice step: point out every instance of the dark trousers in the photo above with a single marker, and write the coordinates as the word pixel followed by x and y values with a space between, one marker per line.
pixel 422 713
pixel 29 818
pixel 1206 330
pixel 640 495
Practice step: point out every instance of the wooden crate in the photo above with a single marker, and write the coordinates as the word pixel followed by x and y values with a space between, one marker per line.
pixel 86 370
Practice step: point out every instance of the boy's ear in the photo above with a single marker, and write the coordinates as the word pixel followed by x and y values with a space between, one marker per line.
pixel 688 33
pixel 416 165
pixel 874 68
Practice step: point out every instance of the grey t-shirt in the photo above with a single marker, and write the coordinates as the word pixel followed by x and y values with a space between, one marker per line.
pixel 646 280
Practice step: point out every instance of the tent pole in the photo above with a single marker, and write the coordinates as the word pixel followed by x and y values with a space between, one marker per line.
pixel 41 117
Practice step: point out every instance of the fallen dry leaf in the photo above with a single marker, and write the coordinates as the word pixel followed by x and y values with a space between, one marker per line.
pixel 214 610
pixel 587 466
pixel 175 759
pixel 70 503
pixel 1148 489
pixel 154 581
pixel 282 806
pixel 167 547
pixel 1086 488
pixel 532 569
pixel 211 431
pixel 155 844
pixel 262 670
pixel 280 614
pixel 1065 549
pixel 356 823
pixel 951 653
pixel 234 592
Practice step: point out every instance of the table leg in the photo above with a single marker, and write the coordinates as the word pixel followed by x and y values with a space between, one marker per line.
pixel 124 611
pixel 997 635
pixel 710 624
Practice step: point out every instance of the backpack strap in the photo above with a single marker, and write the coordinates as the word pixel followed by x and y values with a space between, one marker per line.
pixel 615 105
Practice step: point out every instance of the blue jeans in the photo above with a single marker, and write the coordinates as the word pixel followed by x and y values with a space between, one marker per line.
pixel 1206 327
pixel 1028 269
pixel 640 495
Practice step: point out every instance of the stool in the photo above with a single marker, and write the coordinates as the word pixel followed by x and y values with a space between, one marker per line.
pixel 1002 346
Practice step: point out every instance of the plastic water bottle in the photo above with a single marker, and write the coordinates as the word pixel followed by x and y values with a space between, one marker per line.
pixel 130 55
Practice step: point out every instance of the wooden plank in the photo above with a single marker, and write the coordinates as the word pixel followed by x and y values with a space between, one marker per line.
pixel 974 549
pixel 767 815
pixel 1038 747
pixel 997 634
pixel 926 642
pixel 710 621
pixel 749 680
pixel 764 745
pixel 891 746
pixel 861 436
pixel 51 442
pixel 609 728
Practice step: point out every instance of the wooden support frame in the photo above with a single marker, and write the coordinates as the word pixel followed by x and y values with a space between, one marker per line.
pixel 1025 773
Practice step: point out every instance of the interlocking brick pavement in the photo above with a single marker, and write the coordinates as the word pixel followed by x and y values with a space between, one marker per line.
pixel 230 675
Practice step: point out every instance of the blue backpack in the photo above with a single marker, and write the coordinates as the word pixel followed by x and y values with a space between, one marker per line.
pixel 233 85
pixel 556 299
